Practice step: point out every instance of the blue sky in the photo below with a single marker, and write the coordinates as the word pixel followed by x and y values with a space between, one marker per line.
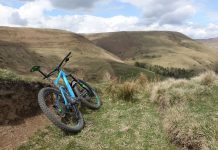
pixel 195 18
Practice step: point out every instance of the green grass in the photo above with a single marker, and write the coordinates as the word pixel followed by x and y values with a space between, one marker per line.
pixel 95 70
pixel 206 113
pixel 117 125
pixel 8 75
pixel 169 114
pixel 124 71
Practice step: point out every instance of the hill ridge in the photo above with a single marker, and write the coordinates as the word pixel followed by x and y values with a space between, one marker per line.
pixel 164 48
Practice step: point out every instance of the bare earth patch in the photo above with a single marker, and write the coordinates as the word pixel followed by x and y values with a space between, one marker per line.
pixel 14 135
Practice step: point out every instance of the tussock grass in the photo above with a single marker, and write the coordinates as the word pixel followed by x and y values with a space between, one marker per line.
pixel 183 128
pixel 188 108
pixel 142 80
pixel 207 78
pixel 127 90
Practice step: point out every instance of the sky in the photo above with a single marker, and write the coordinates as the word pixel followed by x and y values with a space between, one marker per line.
pixel 195 18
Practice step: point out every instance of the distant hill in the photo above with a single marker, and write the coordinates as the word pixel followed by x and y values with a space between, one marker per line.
pixel 168 49
pixel 21 48
pixel 212 42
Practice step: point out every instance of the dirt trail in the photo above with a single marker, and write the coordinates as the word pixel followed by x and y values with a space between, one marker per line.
pixel 14 135
pixel 20 115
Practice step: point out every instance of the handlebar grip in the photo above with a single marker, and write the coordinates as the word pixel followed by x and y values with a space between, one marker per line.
pixel 64 60
pixel 68 54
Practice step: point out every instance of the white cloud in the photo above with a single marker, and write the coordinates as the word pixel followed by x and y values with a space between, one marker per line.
pixel 35 9
pixel 164 11
pixel 91 24
pixel 5 13
pixel 16 19
pixel 33 14
pixel 192 30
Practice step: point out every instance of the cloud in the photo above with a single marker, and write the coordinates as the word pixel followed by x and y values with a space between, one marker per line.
pixel 91 24
pixel 16 19
pixel 5 14
pixel 75 4
pixel 35 9
pixel 70 4
pixel 164 12
pixel 34 14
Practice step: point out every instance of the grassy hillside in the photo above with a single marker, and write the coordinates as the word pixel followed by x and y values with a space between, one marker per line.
pixel 168 49
pixel 138 114
pixel 21 48
pixel 189 109
pixel 212 43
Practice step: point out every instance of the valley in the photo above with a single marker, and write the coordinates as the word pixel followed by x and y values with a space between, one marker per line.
pixel 143 107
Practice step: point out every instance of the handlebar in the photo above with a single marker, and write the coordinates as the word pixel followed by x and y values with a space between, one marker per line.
pixel 66 59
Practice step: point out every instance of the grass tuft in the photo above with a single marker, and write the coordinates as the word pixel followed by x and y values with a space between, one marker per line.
pixel 207 78
pixel 142 80
pixel 126 91
pixel 8 75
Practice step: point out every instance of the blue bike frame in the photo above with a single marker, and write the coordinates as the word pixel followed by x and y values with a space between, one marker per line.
pixel 63 76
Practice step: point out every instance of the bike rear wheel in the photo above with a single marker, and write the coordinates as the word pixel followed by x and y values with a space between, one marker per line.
pixel 89 96
pixel 52 104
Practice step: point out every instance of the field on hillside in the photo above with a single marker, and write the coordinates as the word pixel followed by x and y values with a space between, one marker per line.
pixel 213 42
pixel 21 48
pixel 138 114
pixel 168 49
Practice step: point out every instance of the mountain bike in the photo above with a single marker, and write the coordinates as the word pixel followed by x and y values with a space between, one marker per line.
pixel 60 102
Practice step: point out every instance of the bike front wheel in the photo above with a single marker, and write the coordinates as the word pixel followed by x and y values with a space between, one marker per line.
pixel 52 104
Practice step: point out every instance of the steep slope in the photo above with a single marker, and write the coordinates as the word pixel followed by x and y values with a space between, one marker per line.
pixel 21 48
pixel 212 42
pixel 168 49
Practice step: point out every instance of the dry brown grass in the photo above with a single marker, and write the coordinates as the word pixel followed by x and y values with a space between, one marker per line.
pixel 177 99
pixel 142 80
pixel 212 43
pixel 47 47
pixel 161 95
pixel 135 46
pixel 207 78
pixel 128 90
pixel 171 91
pixel 182 128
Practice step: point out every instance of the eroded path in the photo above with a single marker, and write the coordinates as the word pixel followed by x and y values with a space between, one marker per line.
pixel 14 135
pixel 20 115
